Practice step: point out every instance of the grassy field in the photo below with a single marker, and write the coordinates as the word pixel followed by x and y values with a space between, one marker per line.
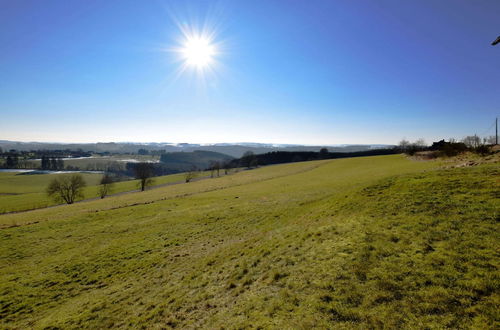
pixel 24 192
pixel 20 183
pixel 27 192
pixel 378 242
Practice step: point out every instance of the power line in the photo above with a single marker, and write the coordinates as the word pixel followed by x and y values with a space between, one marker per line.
pixel 486 131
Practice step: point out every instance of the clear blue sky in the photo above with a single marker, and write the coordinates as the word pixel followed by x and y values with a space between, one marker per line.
pixel 308 72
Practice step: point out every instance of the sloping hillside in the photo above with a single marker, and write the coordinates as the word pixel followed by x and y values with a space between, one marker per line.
pixel 364 242
pixel 19 192
pixel 27 192
pixel 184 161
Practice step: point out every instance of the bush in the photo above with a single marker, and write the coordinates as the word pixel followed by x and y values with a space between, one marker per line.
pixel 482 150
pixel 451 149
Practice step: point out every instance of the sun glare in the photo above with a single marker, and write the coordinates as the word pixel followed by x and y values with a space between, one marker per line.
pixel 198 52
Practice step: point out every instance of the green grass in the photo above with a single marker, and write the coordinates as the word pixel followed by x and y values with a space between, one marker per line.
pixel 27 192
pixel 20 192
pixel 16 183
pixel 376 242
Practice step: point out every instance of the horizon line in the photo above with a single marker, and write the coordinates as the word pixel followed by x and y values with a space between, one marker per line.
pixel 203 144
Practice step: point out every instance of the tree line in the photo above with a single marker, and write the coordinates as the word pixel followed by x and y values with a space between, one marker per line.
pixel 52 163
pixel 452 147
pixel 49 160
pixel 250 160
pixel 69 188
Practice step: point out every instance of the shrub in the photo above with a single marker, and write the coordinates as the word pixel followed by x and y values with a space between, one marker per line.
pixel 482 150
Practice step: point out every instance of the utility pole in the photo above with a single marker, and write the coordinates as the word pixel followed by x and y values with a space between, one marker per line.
pixel 496 130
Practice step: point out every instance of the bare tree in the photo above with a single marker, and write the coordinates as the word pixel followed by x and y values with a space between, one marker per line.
pixel 472 141
pixel 420 143
pixel 67 188
pixel 404 144
pixel 226 166
pixel 211 167
pixel 217 167
pixel 490 139
pixel 191 174
pixel 144 172
pixel 214 166
pixel 106 186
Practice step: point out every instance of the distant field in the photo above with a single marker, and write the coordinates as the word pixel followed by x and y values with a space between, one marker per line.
pixel 19 183
pixel 373 242
pixel 101 162
pixel 26 192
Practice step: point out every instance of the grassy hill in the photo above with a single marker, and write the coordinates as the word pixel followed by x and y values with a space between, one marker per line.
pixel 27 192
pixel 20 192
pixel 349 243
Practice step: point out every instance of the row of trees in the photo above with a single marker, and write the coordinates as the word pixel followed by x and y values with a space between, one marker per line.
pixel 474 141
pixel 52 163
pixel 448 148
pixel 47 163
pixel 250 160
pixel 50 160
pixel 411 148
pixel 70 188
pixel 216 166
pixel 11 161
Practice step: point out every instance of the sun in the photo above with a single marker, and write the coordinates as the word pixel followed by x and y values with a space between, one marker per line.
pixel 198 51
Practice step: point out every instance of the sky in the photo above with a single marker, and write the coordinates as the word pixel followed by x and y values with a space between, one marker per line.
pixel 303 72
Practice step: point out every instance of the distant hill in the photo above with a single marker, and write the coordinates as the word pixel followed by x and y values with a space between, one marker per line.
pixel 233 149
pixel 180 161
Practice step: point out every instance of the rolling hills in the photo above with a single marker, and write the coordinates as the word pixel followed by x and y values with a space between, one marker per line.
pixel 232 149
pixel 368 242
